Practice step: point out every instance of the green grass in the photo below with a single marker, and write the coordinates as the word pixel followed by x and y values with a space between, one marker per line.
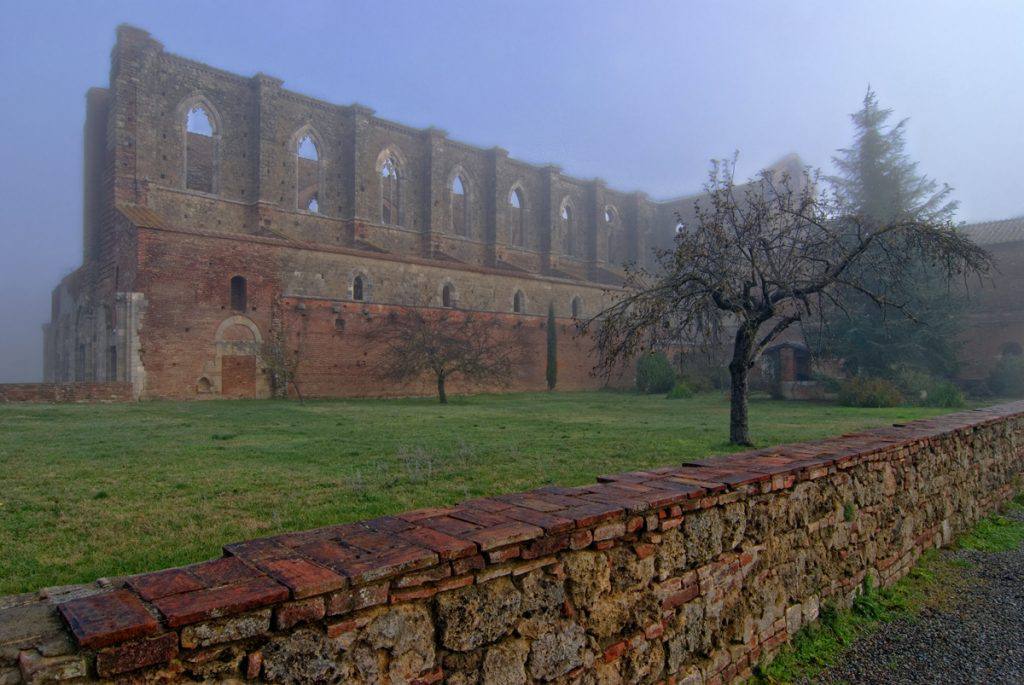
pixel 995 534
pixel 933 581
pixel 94 490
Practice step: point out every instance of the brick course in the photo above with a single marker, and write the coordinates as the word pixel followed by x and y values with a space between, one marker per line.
pixel 65 392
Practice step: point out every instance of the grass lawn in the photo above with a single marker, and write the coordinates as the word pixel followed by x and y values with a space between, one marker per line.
pixel 96 490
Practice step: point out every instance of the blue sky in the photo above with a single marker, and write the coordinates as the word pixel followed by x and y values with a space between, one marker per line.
pixel 639 93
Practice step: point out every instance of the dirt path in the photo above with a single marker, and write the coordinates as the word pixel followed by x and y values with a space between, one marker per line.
pixel 977 636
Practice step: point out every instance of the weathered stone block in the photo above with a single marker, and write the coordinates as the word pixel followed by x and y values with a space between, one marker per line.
pixel 505 663
pixel 557 652
pixel 588 575
pixel 476 615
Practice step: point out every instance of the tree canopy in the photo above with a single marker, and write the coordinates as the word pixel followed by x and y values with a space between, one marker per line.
pixel 763 256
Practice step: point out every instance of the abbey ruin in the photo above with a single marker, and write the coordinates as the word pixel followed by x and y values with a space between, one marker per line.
pixel 212 200
pixel 216 204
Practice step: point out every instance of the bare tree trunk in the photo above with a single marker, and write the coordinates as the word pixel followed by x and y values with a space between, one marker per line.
pixel 739 368
pixel 441 396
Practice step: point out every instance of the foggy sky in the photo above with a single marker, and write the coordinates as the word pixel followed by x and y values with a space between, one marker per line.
pixel 640 94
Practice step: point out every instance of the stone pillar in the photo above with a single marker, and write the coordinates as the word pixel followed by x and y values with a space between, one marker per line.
pixel 133 50
pixel 548 217
pixel 97 108
pixel 495 231
pixel 595 231
pixel 264 148
pixel 362 189
pixel 637 227
pixel 434 190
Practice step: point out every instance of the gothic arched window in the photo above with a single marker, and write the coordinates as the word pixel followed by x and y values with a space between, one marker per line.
pixel 390 192
pixel 307 174
pixel 200 150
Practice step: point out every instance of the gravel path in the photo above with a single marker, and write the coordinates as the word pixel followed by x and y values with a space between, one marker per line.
pixel 976 637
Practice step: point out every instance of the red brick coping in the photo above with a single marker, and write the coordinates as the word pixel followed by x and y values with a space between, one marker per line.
pixel 338 569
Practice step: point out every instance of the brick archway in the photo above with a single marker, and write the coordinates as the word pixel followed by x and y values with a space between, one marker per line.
pixel 235 369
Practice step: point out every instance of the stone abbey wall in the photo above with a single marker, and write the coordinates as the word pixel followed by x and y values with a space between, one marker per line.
pixel 350 193
pixel 685 574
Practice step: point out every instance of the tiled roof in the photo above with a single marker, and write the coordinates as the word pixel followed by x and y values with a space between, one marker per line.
pixel 993 232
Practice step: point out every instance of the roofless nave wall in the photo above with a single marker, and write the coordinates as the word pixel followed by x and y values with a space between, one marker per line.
pixel 214 202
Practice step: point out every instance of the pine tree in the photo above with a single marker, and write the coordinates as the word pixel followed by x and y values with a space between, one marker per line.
pixel 552 369
pixel 877 179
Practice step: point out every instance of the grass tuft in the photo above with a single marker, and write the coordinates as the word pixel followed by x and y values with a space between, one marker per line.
pixel 994 534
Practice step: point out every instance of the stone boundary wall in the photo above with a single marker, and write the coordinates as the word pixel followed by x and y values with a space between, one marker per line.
pixel 684 574
pixel 113 391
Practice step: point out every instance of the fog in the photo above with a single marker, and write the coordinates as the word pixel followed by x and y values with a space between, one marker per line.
pixel 640 94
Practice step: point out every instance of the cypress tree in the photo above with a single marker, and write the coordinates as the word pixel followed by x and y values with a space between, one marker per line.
pixel 877 179
pixel 552 370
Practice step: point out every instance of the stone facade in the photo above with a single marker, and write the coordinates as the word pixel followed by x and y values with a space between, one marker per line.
pixel 195 176
pixel 684 574
pixel 995 318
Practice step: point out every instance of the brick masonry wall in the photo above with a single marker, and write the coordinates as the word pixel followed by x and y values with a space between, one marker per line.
pixel 995 316
pixel 685 574
pixel 65 392
pixel 189 314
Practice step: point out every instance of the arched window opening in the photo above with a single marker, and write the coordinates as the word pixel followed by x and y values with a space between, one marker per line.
pixel 613 244
pixel 519 302
pixel 307 174
pixel 518 217
pixel 459 204
pixel 204 386
pixel 238 296
pixel 200 150
pixel 448 295
pixel 306 149
pixel 357 288
pixel 576 307
pixel 568 229
pixel 390 193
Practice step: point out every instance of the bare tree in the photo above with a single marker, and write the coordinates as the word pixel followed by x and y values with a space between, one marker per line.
pixel 762 257
pixel 446 343
pixel 282 351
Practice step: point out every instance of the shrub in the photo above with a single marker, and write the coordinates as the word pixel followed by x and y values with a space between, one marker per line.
pixel 926 390
pixel 828 382
pixel 944 394
pixel 869 392
pixel 704 382
pixel 1006 379
pixel 654 373
pixel 681 391
pixel 915 385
